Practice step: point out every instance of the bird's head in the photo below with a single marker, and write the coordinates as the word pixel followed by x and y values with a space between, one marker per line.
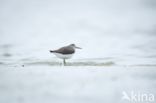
pixel 74 46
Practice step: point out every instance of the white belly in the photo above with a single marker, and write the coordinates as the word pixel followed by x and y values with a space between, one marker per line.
pixel 63 56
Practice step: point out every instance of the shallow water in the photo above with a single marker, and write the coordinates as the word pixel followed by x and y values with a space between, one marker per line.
pixel 125 32
pixel 75 84
pixel 118 41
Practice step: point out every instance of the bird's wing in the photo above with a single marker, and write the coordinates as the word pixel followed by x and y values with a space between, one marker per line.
pixel 65 50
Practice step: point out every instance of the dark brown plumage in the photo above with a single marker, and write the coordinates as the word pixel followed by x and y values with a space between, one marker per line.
pixel 64 50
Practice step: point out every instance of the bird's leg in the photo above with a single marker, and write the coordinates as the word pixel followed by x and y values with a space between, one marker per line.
pixel 64 62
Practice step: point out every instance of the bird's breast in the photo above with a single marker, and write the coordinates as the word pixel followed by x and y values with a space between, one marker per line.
pixel 63 56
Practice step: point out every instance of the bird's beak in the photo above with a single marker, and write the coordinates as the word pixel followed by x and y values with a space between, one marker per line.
pixel 78 47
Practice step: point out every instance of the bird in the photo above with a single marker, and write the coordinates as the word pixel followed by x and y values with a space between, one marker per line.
pixel 65 52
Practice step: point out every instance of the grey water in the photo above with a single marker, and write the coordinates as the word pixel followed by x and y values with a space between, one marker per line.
pixel 122 30
pixel 118 55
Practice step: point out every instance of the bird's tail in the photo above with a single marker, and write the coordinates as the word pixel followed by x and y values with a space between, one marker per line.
pixel 51 51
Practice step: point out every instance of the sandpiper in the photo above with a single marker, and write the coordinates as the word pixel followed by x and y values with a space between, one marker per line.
pixel 65 52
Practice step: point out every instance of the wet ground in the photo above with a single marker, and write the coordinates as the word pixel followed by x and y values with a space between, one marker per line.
pixel 118 56
pixel 81 84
